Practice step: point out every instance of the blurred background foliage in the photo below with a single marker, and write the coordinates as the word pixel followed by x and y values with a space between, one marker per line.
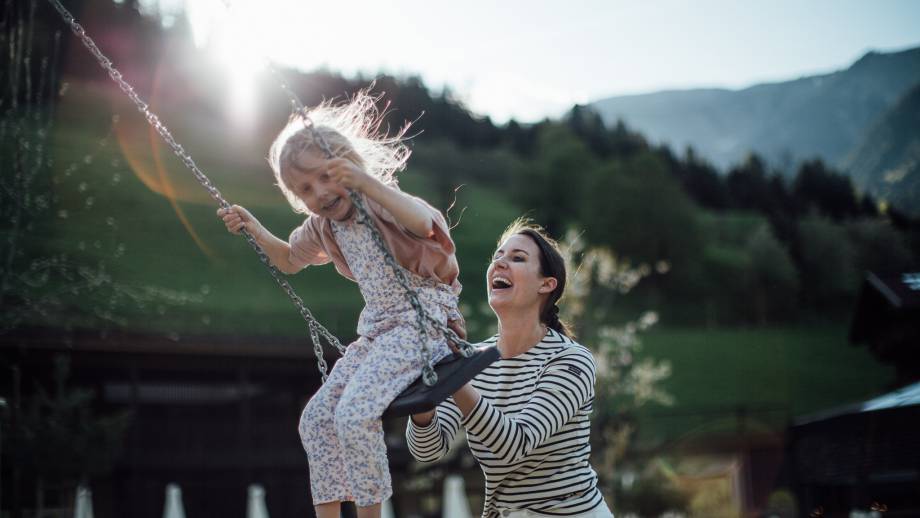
pixel 700 287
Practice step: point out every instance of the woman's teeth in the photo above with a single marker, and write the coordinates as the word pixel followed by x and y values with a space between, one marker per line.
pixel 500 283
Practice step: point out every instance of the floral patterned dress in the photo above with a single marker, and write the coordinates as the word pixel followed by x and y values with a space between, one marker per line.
pixel 340 426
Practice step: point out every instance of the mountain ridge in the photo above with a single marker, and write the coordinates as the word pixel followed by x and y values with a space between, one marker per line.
pixel 823 115
pixel 886 162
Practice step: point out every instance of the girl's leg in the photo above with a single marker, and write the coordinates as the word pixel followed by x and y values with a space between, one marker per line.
pixel 328 510
pixel 328 482
pixel 334 510
pixel 370 511
pixel 393 362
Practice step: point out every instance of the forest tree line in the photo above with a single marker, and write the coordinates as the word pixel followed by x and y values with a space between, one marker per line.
pixel 753 244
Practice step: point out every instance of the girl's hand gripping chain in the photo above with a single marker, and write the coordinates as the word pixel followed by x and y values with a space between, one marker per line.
pixel 457 325
pixel 348 174
pixel 237 218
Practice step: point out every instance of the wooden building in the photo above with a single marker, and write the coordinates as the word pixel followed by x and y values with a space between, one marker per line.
pixel 866 455
pixel 860 457
pixel 210 413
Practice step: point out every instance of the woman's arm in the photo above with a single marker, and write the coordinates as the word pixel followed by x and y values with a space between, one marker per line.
pixel 466 398
pixel 565 386
pixel 429 435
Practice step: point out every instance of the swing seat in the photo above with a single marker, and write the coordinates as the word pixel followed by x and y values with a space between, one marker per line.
pixel 453 372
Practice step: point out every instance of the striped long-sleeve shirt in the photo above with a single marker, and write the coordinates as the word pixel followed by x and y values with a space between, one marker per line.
pixel 529 431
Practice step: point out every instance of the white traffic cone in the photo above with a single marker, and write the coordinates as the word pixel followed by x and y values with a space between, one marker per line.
pixel 386 509
pixel 455 502
pixel 173 507
pixel 83 503
pixel 255 506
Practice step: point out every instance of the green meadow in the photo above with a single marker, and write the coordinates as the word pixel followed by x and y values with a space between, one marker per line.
pixel 124 205
pixel 725 380
pixel 123 201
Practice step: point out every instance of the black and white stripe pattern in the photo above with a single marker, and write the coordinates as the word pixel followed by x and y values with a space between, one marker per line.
pixel 530 430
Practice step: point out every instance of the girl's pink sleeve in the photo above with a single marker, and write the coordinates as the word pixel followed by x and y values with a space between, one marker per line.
pixel 440 233
pixel 439 230
pixel 307 244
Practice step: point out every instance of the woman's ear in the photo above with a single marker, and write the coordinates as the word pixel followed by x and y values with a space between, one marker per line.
pixel 548 285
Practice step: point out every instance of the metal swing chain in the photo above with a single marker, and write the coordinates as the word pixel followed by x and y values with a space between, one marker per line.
pixel 429 376
pixel 466 349
pixel 421 315
pixel 315 328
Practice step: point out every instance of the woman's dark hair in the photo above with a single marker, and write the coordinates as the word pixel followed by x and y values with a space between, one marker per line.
pixel 552 264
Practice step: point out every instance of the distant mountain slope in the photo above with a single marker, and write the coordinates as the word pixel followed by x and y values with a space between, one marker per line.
pixel 824 115
pixel 887 161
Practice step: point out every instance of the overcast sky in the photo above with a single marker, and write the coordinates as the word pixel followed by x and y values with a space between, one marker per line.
pixel 530 59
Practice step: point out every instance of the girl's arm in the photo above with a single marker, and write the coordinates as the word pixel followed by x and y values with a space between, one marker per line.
pixel 407 211
pixel 237 218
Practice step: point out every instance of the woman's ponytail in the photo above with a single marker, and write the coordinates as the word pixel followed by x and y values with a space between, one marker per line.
pixel 550 317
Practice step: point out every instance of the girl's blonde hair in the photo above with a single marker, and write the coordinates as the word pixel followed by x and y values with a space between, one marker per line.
pixel 351 130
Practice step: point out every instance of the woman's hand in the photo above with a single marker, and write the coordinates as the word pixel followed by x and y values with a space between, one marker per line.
pixel 423 419
pixel 457 325
pixel 237 218
pixel 466 398
pixel 348 174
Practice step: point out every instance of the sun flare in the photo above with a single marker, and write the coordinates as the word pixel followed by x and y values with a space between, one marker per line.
pixel 236 37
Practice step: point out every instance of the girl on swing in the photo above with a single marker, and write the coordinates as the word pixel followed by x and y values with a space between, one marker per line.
pixel 340 427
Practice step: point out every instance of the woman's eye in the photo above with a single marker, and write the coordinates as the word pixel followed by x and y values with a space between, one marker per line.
pixel 518 258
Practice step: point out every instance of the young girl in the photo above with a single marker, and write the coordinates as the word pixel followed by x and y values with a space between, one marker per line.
pixel 340 426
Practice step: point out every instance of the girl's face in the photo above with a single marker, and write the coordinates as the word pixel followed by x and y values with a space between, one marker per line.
pixel 514 280
pixel 307 177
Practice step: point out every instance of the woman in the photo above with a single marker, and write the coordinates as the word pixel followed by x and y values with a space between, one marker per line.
pixel 527 415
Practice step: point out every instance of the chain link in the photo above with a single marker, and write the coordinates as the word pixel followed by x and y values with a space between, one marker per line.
pixel 466 349
pixel 421 315
pixel 315 328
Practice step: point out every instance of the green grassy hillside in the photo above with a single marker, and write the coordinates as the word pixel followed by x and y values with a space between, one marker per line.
pixel 125 202
pixel 123 205
pixel 773 375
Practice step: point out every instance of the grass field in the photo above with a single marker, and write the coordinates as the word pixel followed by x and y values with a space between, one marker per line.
pixel 775 374
pixel 125 204
pixel 121 198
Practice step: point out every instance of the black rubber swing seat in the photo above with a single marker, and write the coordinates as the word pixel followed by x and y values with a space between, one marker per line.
pixel 453 372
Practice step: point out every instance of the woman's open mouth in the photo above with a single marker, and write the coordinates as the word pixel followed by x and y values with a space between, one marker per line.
pixel 500 283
